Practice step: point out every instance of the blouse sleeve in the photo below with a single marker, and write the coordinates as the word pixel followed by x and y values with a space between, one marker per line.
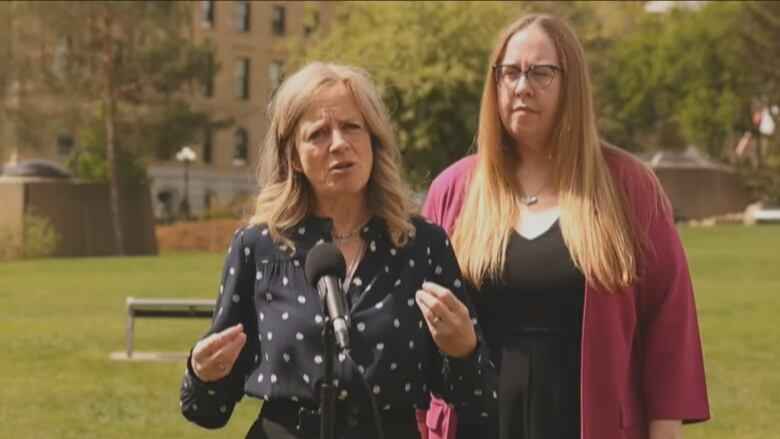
pixel 469 383
pixel 673 374
pixel 211 404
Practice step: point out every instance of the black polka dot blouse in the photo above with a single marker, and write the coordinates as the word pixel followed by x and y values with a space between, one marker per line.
pixel 264 287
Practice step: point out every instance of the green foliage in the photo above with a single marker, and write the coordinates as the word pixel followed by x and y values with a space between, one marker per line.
pixel 428 58
pixel 6 49
pixel 89 166
pixel 89 163
pixel 682 71
pixel 763 182
pixel 154 66
pixel 759 36
pixel 38 239
pixel 660 80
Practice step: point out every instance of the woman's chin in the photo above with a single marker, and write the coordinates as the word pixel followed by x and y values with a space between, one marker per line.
pixel 340 188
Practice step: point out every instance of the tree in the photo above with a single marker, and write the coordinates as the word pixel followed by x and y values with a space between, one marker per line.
pixel 679 79
pixel 759 37
pixel 429 59
pixel 127 64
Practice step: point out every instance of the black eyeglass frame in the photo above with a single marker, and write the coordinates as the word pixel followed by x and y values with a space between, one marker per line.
pixel 497 73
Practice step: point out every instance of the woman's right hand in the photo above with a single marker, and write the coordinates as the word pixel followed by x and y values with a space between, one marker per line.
pixel 214 356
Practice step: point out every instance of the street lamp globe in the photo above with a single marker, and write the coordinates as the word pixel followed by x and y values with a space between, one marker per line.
pixel 186 155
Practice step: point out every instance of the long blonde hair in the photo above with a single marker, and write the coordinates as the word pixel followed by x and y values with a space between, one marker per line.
pixel 595 225
pixel 286 196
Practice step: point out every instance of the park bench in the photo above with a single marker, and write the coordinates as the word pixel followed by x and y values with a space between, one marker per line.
pixel 164 308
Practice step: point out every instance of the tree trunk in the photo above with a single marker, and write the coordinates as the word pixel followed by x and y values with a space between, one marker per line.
pixel 109 102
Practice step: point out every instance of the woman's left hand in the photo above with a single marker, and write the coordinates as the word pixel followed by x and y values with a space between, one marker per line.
pixel 448 320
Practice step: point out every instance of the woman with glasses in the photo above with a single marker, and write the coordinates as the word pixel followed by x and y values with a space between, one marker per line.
pixel 584 292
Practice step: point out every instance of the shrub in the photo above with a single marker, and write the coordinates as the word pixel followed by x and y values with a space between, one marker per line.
pixel 38 239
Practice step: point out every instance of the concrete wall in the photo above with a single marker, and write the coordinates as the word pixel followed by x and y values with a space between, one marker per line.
pixel 698 193
pixel 80 213
pixel 11 208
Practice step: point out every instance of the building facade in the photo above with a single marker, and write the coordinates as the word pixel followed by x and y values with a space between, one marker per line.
pixel 247 38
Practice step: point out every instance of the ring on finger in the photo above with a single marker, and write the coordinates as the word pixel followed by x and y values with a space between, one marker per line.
pixel 435 320
pixel 221 366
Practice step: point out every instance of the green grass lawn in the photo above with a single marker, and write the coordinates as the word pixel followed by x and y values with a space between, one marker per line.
pixel 60 320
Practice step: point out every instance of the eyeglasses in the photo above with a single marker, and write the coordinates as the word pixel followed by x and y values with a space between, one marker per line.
pixel 538 76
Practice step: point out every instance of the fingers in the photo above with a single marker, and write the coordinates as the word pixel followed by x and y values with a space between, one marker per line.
pixel 446 297
pixel 433 308
pixel 227 355
pixel 216 341
pixel 431 319
pixel 448 320
pixel 214 356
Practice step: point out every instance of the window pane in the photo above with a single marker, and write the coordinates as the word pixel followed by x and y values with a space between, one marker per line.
pixel 207 145
pixel 277 20
pixel 64 145
pixel 240 147
pixel 274 75
pixel 311 23
pixel 242 78
pixel 61 54
pixel 207 12
pixel 242 16
pixel 208 81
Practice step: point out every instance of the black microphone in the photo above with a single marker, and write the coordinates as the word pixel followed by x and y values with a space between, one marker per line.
pixel 325 269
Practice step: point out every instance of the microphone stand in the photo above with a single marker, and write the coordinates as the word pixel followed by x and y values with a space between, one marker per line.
pixel 327 389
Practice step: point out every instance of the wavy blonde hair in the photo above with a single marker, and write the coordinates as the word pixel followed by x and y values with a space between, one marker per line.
pixel 596 228
pixel 286 196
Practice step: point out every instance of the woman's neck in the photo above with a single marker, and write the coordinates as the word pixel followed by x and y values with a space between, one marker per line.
pixel 347 212
pixel 534 162
pixel 534 154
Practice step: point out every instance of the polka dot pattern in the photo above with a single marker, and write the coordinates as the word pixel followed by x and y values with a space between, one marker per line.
pixel 393 347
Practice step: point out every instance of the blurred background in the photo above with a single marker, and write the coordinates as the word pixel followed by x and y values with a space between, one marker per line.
pixel 131 130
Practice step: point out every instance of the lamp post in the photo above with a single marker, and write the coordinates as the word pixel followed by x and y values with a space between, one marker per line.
pixel 186 155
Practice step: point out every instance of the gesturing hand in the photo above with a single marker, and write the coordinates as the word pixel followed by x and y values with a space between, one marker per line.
pixel 448 320
pixel 214 356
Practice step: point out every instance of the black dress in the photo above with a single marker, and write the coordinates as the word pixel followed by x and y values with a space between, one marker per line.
pixel 264 287
pixel 532 321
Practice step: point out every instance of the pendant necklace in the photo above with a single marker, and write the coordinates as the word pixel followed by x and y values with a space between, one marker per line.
pixel 353 266
pixel 343 238
pixel 530 200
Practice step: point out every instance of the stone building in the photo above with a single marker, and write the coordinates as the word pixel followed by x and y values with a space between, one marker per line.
pixel 246 36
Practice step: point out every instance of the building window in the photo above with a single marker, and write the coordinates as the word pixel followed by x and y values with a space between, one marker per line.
pixel 242 16
pixel 61 54
pixel 242 78
pixel 208 81
pixel 207 145
pixel 277 20
pixel 311 23
pixel 274 76
pixel 207 13
pixel 64 145
pixel 208 199
pixel 240 148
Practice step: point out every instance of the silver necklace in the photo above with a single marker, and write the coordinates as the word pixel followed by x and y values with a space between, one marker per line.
pixel 530 200
pixel 353 266
pixel 343 238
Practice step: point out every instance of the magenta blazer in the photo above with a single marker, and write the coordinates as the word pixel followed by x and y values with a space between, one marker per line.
pixel 641 350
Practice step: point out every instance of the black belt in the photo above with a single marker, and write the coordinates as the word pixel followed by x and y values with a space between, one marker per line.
pixel 350 418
